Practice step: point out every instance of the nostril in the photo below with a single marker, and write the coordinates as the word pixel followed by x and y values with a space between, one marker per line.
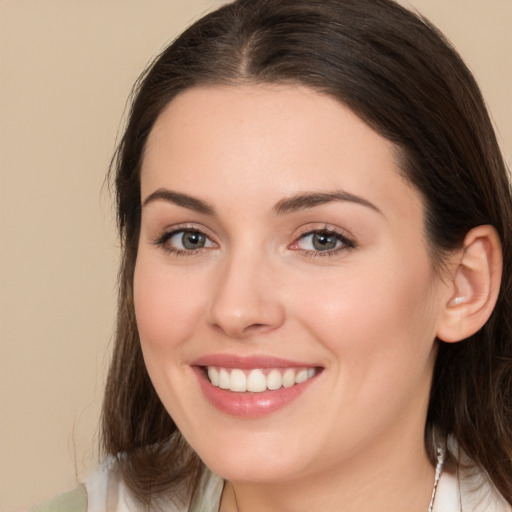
pixel 255 326
pixel 241 331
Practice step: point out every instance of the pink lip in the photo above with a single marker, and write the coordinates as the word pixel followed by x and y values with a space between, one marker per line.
pixel 248 362
pixel 248 405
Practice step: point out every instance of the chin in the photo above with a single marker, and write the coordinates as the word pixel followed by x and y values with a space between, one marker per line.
pixel 254 470
pixel 258 458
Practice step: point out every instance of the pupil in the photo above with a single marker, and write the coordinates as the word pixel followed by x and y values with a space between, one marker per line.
pixel 193 240
pixel 324 241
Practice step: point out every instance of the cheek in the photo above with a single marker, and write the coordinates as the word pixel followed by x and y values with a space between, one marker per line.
pixel 386 309
pixel 167 308
pixel 167 305
pixel 379 329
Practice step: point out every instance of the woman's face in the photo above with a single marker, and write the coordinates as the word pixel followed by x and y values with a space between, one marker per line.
pixel 282 251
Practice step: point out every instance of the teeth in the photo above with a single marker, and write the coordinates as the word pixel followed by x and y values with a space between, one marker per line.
pixel 301 376
pixel 238 381
pixel 213 375
pixel 257 380
pixel 288 378
pixel 274 380
pixel 224 380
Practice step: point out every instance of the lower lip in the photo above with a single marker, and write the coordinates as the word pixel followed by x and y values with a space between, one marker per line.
pixel 247 404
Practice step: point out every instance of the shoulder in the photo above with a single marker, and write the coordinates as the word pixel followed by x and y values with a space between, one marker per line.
pixel 464 486
pixel 73 501
pixel 477 492
pixel 105 491
pixel 208 496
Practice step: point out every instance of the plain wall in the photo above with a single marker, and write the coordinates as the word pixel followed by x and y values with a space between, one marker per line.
pixel 66 69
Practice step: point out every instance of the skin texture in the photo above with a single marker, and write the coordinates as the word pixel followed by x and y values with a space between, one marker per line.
pixel 367 315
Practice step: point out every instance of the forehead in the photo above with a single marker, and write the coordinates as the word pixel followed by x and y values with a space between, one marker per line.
pixel 269 141
pixel 272 116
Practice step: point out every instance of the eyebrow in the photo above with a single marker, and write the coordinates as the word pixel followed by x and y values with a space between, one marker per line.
pixel 301 201
pixel 179 199
pixel 306 200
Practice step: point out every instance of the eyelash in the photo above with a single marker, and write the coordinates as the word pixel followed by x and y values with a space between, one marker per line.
pixel 162 240
pixel 346 242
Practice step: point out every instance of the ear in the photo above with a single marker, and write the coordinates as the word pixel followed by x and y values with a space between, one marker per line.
pixel 474 286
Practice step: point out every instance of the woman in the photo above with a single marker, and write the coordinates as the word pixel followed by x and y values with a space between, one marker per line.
pixel 315 290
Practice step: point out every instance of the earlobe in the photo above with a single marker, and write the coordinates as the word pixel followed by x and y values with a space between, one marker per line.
pixel 474 287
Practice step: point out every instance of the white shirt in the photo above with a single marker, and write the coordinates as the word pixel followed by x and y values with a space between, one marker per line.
pixel 467 491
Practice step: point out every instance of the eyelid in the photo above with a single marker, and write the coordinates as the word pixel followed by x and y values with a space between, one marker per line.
pixel 162 238
pixel 347 239
pixel 317 227
pixel 185 226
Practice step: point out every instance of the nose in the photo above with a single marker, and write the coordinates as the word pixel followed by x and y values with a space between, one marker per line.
pixel 246 298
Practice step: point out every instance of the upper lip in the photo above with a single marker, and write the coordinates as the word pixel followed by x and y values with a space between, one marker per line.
pixel 248 362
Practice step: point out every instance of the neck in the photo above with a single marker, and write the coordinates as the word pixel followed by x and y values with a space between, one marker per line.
pixel 399 480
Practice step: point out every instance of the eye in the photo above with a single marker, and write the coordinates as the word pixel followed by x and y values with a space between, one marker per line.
pixel 324 241
pixel 188 240
pixel 321 241
pixel 185 241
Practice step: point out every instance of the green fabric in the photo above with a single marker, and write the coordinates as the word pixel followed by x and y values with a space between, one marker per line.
pixel 73 501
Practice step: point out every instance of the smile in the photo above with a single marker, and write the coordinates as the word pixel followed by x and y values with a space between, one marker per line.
pixel 253 386
pixel 257 380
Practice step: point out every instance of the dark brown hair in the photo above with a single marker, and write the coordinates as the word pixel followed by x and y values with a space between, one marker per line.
pixel 400 75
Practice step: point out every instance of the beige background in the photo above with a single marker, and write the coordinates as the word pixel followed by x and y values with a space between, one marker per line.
pixel 66 68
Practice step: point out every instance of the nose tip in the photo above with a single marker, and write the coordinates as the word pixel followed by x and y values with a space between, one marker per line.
pixel 242 326
pixel 243 305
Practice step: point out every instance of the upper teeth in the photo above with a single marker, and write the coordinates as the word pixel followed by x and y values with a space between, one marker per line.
pixel 257 380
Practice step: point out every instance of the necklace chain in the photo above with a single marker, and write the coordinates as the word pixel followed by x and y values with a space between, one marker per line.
pixel 441 455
